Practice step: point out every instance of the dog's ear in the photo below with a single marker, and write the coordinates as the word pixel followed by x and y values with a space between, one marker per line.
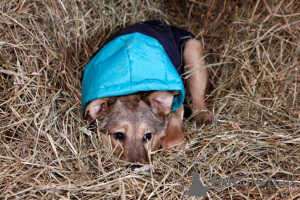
pixel 161 102
pixel 98 108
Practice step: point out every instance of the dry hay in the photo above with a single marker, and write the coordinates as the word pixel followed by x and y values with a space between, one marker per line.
pixel 47 152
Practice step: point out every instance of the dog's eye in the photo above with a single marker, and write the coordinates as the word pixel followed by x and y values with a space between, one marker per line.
pixel 147 137
pixel 119 136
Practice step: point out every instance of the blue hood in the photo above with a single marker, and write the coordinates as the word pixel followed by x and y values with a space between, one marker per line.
pixel 128 64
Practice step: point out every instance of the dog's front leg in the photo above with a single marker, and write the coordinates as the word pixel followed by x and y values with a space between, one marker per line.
pixel 198 82
pixel 175 134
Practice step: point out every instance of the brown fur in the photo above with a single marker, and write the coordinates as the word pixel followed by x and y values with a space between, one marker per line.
pixel 133 117
pixel 136 115
pixel 198 83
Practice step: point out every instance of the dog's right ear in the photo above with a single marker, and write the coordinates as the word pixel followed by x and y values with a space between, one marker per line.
pixel 98 108
pixel 161 102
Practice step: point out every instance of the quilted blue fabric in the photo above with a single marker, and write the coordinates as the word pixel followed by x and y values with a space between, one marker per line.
pixel 128 64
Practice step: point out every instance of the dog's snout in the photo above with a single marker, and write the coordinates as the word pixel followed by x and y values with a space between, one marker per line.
pixel 133 167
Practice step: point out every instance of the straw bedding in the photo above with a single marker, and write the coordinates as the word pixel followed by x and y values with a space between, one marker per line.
pixel 48 152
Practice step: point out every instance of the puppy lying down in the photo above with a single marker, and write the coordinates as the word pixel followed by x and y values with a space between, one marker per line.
pixel 132 86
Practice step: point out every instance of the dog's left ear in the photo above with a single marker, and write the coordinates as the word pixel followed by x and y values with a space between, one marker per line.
pixel 161 102
pixel 98 108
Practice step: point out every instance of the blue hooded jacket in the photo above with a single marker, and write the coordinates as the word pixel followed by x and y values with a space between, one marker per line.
pixel 142 57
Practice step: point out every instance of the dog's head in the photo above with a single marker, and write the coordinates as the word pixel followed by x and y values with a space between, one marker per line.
pixel 135 123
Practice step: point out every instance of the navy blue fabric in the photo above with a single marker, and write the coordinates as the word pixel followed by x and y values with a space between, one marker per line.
pixel 171 38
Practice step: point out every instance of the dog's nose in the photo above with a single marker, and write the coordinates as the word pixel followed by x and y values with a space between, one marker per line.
pixel 133 167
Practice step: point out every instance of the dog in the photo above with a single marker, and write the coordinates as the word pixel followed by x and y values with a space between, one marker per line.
pixel 145 111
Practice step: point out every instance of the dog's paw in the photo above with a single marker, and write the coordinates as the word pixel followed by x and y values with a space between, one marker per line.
pixel 172 140
pixel 204 117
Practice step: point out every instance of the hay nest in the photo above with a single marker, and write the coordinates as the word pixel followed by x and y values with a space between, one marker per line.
pixel 47 151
